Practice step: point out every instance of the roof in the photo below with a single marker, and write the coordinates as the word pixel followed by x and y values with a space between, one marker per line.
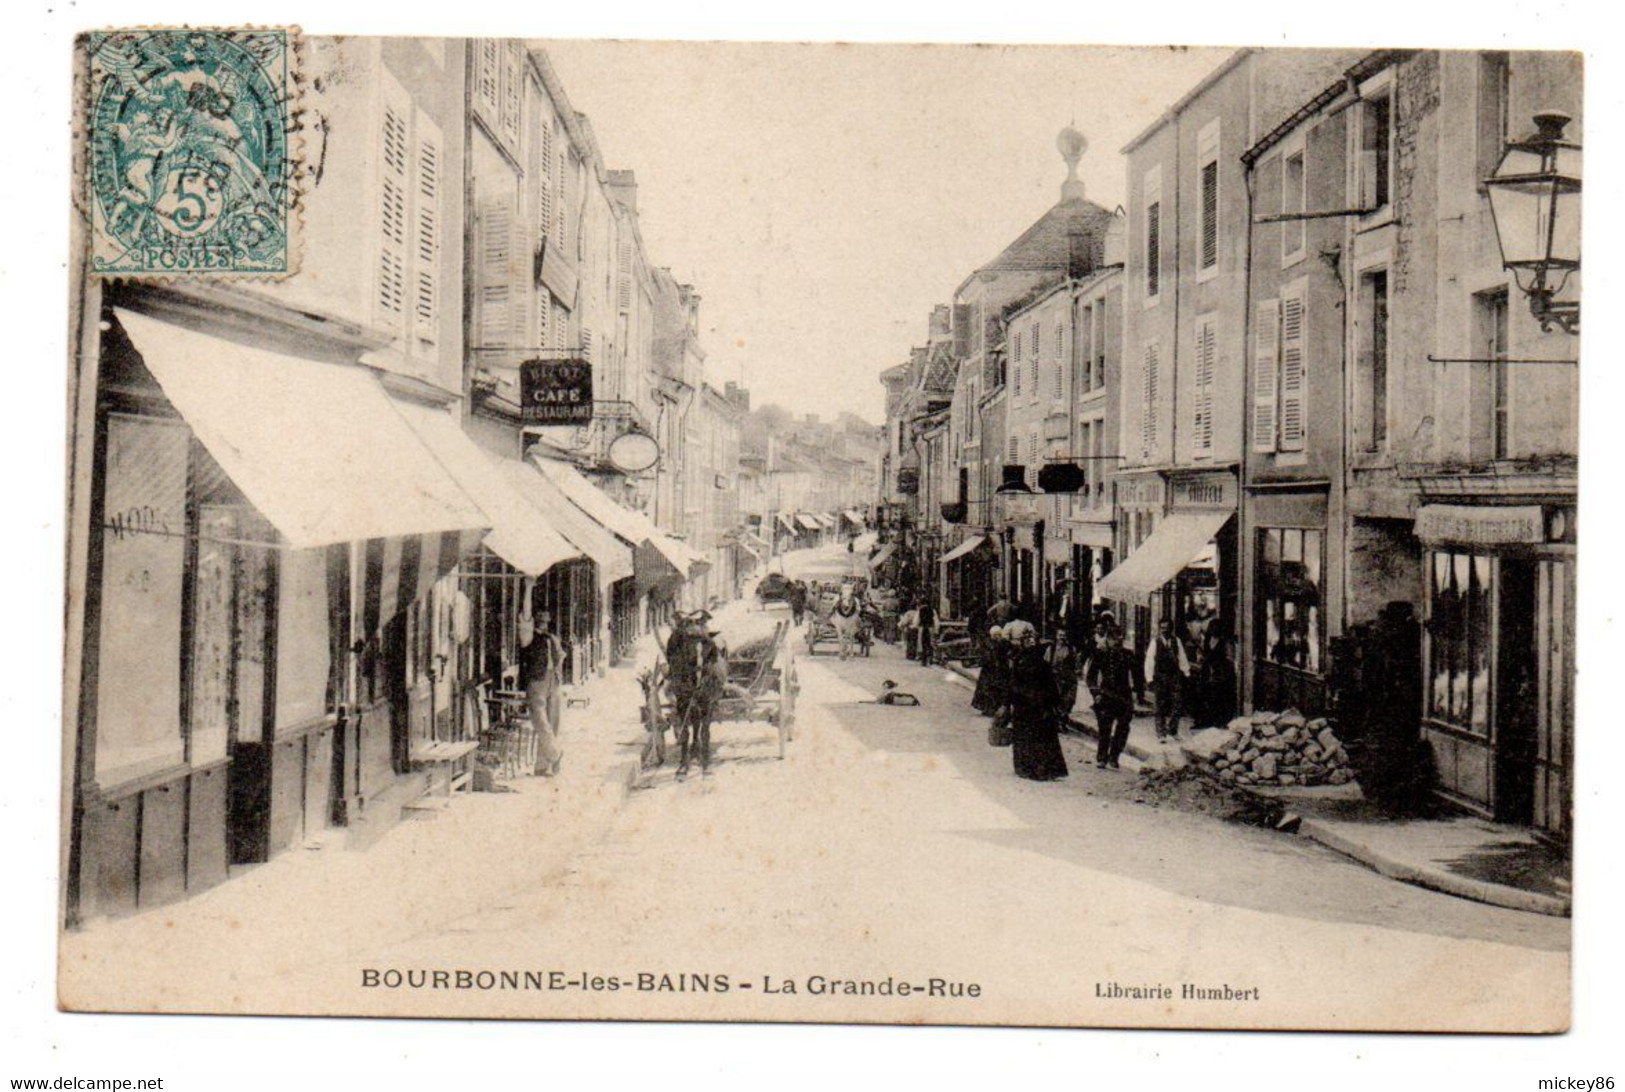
pixel 1188 97
pixel 1367 65
pixel 1046 246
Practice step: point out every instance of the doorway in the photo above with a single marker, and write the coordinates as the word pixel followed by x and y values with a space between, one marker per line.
pixel 1516 693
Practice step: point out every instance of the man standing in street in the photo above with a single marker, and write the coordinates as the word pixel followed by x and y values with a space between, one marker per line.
pixel 541 663
pixel 927 621
pixel 1166 670
pixel 1110 679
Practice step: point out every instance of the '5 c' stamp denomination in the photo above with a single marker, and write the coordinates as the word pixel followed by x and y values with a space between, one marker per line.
pixel 189 152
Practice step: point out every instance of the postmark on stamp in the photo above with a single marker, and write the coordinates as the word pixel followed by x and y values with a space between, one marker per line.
pixel 190 167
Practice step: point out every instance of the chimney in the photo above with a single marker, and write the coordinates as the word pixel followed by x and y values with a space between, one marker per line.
pixel 623 187
pixel 1078 258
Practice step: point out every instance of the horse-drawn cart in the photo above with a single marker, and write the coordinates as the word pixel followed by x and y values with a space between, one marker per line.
pixel 761 686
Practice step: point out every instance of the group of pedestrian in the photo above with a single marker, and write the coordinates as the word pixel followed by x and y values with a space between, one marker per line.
pixel 1032 690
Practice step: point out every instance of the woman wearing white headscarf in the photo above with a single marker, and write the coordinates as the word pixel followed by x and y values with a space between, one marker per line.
pixel 1033 698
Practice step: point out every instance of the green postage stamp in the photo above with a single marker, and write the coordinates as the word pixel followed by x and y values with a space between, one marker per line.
pixel 189 161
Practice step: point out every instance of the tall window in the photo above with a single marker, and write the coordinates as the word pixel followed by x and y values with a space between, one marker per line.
pixel 1148 398
pixel 1015 362
pixel 1207 159
pixel 1491 379
pixel 1098 350
pixel 1372 377
pixel 1202 404
pixel 1291 561
pixel 1460 587
pixel 1153 233
pixel 1294 182
pixel 1376 147
pixel 1060 361
pixel 1083 350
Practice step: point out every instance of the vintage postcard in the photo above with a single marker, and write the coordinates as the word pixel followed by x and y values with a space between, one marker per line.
pixel 1059 536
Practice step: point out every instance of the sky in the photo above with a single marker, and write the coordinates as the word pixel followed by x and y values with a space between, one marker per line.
pixel 822 198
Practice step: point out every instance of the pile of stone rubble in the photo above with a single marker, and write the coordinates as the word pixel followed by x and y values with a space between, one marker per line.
pixel 1275 749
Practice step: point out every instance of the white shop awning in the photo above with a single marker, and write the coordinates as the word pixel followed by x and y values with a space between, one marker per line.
pixel 810 522
pixel 634 527
pixel 963 549
pixel 787 522
pixel 853 517
pixel 521 535
pixel 318 448
pixel 1178 538
pixel 613 557
pixel 882 555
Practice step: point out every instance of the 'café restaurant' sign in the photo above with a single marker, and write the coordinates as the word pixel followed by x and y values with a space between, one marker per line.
pixel 555 392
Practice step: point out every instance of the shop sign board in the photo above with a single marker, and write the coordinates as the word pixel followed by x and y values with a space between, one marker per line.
pixel 1204 491
pixel 1481 525
pixel 555 392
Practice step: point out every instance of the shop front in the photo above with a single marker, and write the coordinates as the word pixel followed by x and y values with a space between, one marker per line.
pixel 970 578
pixel 1497 657
pixel 1183 570
pixel 262 527
pixel 1294 596
pixel 1090 546
pixel 1140 501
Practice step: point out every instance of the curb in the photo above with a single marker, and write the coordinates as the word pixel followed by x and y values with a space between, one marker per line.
pixel 1494 894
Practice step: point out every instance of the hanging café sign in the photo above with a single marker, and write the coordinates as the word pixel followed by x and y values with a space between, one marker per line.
pixel 555 392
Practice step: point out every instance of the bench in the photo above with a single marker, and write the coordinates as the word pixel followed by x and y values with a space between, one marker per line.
pixel 448 757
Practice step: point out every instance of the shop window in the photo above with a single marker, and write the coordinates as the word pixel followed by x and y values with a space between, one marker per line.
pixel 1460 592
pixel 1291 597
pixel 143 559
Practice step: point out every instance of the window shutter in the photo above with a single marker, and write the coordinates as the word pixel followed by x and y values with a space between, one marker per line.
pixel 1293 372
pixel 499 295
pixel 624 293
pixel 488 78
pixel 544 173
pixel 512 92
pixel 394 164
pixel 1210 214
pixel 1148 400
pixel 426 230
pixel 1266 357
pixel 1153 248
pixel 1202 408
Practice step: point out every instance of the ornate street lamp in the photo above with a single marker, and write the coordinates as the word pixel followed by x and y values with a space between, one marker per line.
pixel 1535 203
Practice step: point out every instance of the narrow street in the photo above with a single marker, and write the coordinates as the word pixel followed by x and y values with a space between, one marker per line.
pixel 894 843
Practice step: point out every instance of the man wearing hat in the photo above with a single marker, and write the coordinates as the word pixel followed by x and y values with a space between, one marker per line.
pixel 696 671
pixel 1111 680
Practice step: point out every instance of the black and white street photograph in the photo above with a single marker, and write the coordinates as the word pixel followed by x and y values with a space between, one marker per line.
pixel 584 527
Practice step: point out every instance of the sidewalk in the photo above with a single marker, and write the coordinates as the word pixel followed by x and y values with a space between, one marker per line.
pixel 1465 856
pixel 1460 855
pixel 324 902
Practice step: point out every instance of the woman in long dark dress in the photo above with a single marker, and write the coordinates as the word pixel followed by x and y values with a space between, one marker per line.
pixel 1033 698
pixel 989 694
